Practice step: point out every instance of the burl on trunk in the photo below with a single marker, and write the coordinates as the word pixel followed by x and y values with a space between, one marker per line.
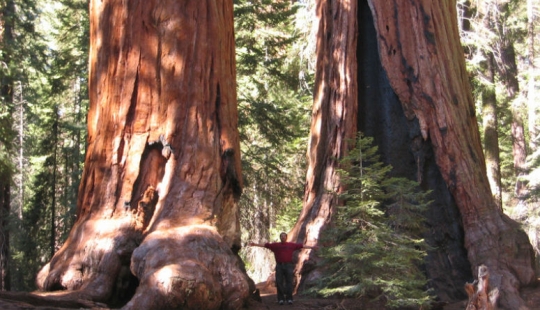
pixel 157 217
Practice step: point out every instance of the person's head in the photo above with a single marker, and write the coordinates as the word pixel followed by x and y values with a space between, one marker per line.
pixel 283 237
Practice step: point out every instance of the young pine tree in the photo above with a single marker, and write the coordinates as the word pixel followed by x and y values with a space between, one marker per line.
pixel 374 244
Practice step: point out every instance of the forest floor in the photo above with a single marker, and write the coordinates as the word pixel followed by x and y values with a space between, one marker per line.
pixel 28 301
pixel 269 302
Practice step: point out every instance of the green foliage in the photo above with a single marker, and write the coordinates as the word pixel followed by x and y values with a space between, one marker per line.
pixel 31 248
pixel 492 27
pixel 53 98
pixel 22 62
pixel 286 218
pixel 273 112
pixel 274 103
pixel 533 177
pixel 374 246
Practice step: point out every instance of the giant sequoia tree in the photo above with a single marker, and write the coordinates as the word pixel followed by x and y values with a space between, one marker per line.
pixel 395 70
pixel 157 219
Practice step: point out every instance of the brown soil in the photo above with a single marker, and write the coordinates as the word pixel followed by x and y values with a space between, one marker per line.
pixel 308 303
pixel 268 301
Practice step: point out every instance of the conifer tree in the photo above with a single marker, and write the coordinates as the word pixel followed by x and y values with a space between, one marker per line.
pixel 68 80
pixel 21 62
pixel 273 120
pixel 375 247
pixel 53 107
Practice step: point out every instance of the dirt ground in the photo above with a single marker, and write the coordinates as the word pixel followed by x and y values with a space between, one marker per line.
pixel 18 301
pixel 269 302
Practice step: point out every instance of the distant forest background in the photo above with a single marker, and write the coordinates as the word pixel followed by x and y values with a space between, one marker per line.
pixel 44 99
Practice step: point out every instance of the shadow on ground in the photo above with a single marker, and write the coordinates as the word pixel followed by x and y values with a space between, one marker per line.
pixel 269 301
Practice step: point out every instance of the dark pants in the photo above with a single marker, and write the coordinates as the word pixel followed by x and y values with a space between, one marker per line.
pixel 284 279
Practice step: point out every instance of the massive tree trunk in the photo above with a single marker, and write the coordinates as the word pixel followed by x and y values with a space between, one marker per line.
pixel 426 69
pixel 157 219
pixel 420 52
pixel 333 123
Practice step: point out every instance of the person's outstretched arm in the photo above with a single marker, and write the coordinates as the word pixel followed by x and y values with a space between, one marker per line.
pixel 315 247
pixel 256 244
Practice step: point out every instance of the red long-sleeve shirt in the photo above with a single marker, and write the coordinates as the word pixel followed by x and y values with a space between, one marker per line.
pixel 283 251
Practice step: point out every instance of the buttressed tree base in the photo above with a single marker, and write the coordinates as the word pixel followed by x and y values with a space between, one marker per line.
pixel 157 218
pixel 421 57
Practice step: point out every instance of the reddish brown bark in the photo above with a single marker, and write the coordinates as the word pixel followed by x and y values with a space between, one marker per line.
pixel 426 68
pixel 333 124
pixel 420 51
pixel 162 171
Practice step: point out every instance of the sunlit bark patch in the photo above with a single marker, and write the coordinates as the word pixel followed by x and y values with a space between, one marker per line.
pixel 191 270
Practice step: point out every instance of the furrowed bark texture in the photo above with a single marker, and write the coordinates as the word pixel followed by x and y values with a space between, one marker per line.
pixel 157 218
pixel 427 71
pixel 400 144
pixel 333 124
pixel 413 96
pixel 353 93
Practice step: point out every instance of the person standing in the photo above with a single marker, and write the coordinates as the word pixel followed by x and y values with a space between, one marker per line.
pixel 283 253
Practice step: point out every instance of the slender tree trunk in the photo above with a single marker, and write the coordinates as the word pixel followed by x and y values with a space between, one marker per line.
pixel 4 232
pixel 491 134
pixel 532 102
pixel 52 240
pixel 533 105
pixel 489 107
pixel 519 150
pixel 508 71
pixel 420 50
pixel 162 173
pixel 21 159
